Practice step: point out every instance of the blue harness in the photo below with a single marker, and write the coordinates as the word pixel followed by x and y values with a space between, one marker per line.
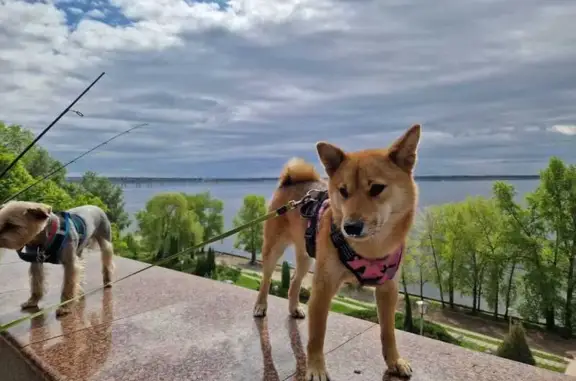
pixel 52 253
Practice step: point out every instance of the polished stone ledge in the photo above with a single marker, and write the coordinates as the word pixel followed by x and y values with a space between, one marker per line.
pixel 166 325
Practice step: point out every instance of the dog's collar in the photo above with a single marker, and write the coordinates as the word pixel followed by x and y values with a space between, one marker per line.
pixel 368 271
pixel 49 251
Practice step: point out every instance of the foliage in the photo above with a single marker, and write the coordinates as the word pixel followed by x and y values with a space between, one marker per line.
pixel 209 213
pixel 111 194
pixel 167 217
pixel 500 248
pixel 250 239
pixel 277 290
pixel 228 273
pixel 285 275
pixel 37 160
pixel 430 329
pixel 514 346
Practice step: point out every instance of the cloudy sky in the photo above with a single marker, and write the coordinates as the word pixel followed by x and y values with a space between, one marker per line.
pixel 237 87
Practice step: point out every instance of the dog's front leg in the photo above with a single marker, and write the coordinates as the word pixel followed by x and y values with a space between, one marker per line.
pixel 386 299
pixel 71 283
pixel 37 285
pixel 324 287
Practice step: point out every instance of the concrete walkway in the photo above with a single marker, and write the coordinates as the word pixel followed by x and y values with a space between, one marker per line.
pixel 571 369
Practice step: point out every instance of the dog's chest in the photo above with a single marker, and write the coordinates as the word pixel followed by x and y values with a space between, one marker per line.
pixel 368 272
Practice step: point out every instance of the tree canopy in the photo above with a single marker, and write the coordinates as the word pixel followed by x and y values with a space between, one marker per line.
pixel 250 239
pixel 504 251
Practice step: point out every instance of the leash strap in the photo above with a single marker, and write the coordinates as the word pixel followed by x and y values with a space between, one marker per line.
pixel 273 214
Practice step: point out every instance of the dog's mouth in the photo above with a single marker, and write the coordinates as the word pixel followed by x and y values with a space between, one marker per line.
pixel 356 238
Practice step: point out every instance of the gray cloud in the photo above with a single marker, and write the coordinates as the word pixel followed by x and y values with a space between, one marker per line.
pixel 238 92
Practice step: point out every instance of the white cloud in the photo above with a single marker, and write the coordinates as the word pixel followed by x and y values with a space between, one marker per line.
pixel 261 81
pixel 96 14
pixel 564 129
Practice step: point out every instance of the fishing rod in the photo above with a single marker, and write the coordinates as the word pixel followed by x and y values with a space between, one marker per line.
pixel 72 161
pixel 67 109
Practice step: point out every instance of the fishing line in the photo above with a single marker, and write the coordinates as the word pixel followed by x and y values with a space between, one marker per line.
pixel 73 161
pixel 67 109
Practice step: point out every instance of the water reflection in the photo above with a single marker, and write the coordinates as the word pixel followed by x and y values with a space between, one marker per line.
pixel 85 343
pixel 270 373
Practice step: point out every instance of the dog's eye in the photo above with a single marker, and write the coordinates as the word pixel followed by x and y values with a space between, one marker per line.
pixel 343 192
pixel 376 189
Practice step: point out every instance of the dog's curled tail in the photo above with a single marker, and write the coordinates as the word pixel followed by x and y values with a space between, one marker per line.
pixel 297 171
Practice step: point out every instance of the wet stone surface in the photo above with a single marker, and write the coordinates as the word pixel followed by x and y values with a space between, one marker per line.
pixel 166 325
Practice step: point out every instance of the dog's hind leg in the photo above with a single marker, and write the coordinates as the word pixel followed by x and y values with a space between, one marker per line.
pixel 37 285
pixel 303 262
pixel 272 250
pixel 107 253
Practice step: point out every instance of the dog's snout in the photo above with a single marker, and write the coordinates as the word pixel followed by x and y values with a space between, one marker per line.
pixel 354 228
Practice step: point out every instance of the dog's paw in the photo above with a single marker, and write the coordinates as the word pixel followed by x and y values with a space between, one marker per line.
pixel 62 311
pixel 317 375
pixel 29 304
pixel 400 368
pixel 260 310
pixel 298 313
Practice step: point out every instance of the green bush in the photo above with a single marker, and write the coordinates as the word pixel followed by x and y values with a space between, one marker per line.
pixel 227 273
pixel 277 290
pixel 514 347
pixel 431 330
pixel 304 295
pixel 285 275
pixel 211 261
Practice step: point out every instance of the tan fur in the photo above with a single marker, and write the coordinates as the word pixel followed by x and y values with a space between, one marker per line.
pixel 297 171
pixel 23 223
pixel 386 217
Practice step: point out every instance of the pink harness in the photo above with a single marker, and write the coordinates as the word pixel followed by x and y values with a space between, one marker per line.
pixel 370 272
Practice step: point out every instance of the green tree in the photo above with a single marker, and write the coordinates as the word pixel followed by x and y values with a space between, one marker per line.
pixel 209 212
pixel 168 216
pixel 285 275
pixel 418 264
pixel 526 232
pixel 408 320
pixel 111 194
pixel 37 161
pixel 250 239
pixel 555 201
pixel 47 191
pixel 452 226
pixel 431 241
pixel 514 346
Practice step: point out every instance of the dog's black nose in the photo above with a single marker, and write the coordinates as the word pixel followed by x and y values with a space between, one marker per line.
pixel 354 228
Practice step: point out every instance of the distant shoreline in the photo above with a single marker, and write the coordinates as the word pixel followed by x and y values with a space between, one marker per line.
pixel 431 178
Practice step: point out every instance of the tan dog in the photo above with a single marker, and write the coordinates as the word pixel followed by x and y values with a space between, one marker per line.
pixel 41 236
pixel 360 234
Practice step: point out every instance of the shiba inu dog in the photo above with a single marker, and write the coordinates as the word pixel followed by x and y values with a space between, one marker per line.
pixel 41 236
pixel 355 225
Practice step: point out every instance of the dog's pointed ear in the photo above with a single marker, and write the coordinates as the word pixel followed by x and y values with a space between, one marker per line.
pixel 40 211
pixel 330 156
pixel 403 151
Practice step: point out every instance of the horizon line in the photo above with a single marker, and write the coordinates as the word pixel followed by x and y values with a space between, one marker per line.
pixel 247 179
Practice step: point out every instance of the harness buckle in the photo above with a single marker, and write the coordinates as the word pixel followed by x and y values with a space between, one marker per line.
pixel 40 255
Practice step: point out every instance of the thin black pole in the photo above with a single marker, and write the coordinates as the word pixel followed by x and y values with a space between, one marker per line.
pixel 72 161
pixel 13 163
